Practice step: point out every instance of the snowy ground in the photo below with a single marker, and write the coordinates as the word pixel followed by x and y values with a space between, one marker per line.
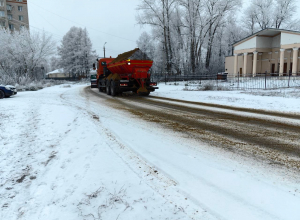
pixel 65 155
pixel 283 100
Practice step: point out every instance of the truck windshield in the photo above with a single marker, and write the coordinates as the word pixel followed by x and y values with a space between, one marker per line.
pixel 93 77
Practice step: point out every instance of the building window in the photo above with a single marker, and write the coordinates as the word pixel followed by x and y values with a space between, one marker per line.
pixel 1 3
pixel 21 18
pixel 2 14
pixel 22 27
pixel 20 8
pixel 2 24
pixel 8 7
pixel 11 27
pixel 19 0
pixel 10 17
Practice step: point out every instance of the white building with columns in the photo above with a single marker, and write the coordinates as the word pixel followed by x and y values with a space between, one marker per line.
pixel 274 51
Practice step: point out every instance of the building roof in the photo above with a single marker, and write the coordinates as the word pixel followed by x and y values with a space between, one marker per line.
pixel 56 71
pixel 268 32
pixel 92 72
pixel 62 71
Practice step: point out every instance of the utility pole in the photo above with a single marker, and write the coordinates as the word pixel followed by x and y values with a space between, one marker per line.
pixel 104 48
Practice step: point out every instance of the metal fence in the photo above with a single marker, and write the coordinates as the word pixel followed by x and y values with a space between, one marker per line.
pixel 263 81
pixel 163 77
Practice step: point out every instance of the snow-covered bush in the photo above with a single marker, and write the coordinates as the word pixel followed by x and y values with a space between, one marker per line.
pixel 208 86
pixel 37 85
pixel 24 80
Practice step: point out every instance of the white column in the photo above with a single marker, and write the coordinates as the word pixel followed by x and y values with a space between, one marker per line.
pixel 276 62
pixel 295 61
pixel 235 65
pixel 281 62
pixel 254 63
pixel 245 64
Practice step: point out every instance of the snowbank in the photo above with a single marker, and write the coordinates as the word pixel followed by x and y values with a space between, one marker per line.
pixel 283 100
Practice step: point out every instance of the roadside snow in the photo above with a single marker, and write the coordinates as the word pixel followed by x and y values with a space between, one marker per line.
pixel 57 164
pixel 282 100
pixel 65 155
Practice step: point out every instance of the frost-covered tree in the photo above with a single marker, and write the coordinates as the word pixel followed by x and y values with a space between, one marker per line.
pixel 76 54
pixel 270 14
pixel 194 27
pixel 217 11
pixel 54 63
pixel 233 32
pixel 249 20
pixel 263 12
pixel 24 53
pixel 283 11
pixel 158 14
pixel 146 44
pixel 191 35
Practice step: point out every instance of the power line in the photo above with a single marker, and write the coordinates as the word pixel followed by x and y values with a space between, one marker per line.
pixel 47 21
pixel 17 21
pixel 109 49
pixel 58 37
pixel 81 24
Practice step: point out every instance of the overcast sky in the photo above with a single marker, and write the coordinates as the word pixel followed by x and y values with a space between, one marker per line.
pixel 111 21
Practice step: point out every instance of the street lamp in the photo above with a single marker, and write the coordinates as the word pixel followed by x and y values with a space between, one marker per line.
pixel 104 48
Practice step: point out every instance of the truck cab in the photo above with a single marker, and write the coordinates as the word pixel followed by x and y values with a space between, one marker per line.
pixel 102 72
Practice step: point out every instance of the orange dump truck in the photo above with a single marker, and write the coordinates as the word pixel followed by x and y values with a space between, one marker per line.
pixel 127 72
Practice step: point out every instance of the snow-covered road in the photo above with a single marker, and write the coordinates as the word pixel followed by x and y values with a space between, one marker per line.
pixel 66 154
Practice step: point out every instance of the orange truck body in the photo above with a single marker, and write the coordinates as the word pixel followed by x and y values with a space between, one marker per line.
pixel 121 74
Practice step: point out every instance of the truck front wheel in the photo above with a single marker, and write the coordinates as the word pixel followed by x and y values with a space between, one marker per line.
pixel 99 86
pixel 108 88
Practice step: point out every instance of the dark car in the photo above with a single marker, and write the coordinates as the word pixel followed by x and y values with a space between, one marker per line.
pixel 7 91
pixel 94 81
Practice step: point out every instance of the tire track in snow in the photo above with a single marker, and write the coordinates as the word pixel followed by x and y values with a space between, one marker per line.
pixel 278 141
pixel 30 156
pixel 136 107
pixel 153 177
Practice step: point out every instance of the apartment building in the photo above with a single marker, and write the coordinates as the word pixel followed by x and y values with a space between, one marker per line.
pixel 14 14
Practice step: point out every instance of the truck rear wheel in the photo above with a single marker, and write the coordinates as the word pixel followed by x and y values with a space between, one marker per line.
pixel 108 88
pixel 102 86
pixel 113 89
